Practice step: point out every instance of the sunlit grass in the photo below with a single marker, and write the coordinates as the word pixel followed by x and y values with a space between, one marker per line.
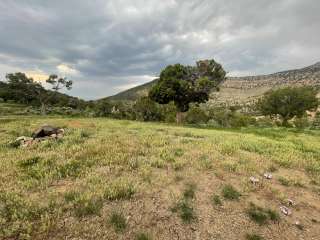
pixel 101 162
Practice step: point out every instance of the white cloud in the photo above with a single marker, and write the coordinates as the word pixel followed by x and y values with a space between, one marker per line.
pixel 67 70
pixel 118 39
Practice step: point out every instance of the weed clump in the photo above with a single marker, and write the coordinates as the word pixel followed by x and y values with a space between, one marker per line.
pixel 184 207
pixel 262 215
pixel 230 193
pixel 143 236
pixel 216 200
pixel 84 206
pixel 185 211
pixel 118 222
pixel 189 192
pixel 119 190
pixel 254 237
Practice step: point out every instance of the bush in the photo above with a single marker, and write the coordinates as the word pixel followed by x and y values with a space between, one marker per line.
pixel 262 215
pixel 118 221
pixel 302 122
pixel 221 117
pixel 185 211
pixel 316 121
pixel 288 102
pixel 120 189
pixel 196 116
pixel 230 193
pixel 147 110
pixel 241 120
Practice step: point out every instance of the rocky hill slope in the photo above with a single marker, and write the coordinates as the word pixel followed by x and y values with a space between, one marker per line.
pixel 243 90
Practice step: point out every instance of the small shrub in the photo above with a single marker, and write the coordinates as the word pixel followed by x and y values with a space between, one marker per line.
pixel 118 222
pixel 84 206
pixel 230 193
pixel 178 152
pixel 143 236
pixel 185 211
pixel 119 189
pixel 205 162
pixel 71 196
pixel 254 237
pixel 196 116
pixel 261 215
pixel 18 216
pixel 216 200
pixel 74 168
pixel 29 162
pixel 302 122
pixel 284 181
pixel 158 163
pixel 85 133
pixel 189 192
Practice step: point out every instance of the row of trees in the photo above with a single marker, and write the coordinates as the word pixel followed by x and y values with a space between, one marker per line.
pixel 178 88
pixel 20 88
pixel 183 85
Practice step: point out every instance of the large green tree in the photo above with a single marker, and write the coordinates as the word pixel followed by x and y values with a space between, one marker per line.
pixel 288 102
pixel 187 84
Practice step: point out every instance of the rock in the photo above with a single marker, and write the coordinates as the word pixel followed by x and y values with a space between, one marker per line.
pixel 286 211
pixel 268 175
pixel 299 225
pixel 47 131
pixel 254 180
pixel 290 202
pixel 53 135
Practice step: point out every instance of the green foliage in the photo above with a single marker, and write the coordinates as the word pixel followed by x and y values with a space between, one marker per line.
pixel 262 215
pixel 288 102
pixel 147 110
pixel 119 189
pixel 118 221
pixel 216 200
pixel 87 206
pixel 230 193
pixel 316 121
pixel 184 84
pixel 143 236
pixel 22 89
pixel 183 207
pixel 254 237
pixel 185 211
pixel 221 117
pixel 189 192
pixel 103 108
pixel 302 122
pixel 18 216
pixel 196 115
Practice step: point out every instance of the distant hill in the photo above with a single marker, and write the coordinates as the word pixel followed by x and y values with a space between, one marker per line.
pixel 242 90
pixel 133 93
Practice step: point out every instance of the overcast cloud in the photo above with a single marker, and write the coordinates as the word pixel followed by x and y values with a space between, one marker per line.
pixel 106 46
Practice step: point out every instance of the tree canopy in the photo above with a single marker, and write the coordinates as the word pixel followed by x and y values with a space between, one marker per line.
pixel 186 84
pixel 288 102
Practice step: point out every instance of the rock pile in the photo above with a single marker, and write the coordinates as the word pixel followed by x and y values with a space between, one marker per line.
pixel 43 133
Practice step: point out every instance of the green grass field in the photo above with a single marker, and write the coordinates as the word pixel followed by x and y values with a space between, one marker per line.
pixel 109 179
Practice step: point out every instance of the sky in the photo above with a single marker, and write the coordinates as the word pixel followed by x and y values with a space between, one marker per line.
pixel 107 46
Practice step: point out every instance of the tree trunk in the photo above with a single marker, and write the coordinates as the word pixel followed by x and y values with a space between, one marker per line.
pixel 179 117
pixel 285 122
pixel 43 109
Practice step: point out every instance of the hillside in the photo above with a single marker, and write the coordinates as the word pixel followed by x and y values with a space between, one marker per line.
pixel 110 179
pixel 237 90
pixel 133 93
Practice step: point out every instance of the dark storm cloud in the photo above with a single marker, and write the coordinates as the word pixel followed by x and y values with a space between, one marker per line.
pixel 107 46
